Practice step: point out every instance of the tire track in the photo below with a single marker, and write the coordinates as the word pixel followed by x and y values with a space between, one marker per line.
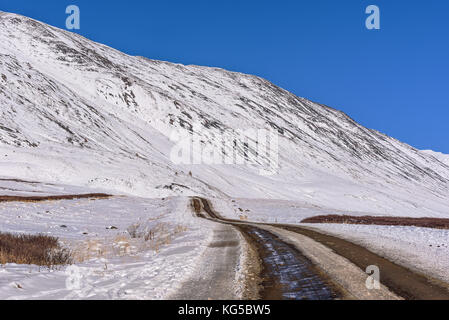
pixel 286 273
pixel 402 281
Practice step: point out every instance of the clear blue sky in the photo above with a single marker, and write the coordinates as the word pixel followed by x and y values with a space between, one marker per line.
pixel 394 80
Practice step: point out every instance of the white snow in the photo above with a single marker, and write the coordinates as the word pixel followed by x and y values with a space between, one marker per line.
pixel 444 158
pixel 109 264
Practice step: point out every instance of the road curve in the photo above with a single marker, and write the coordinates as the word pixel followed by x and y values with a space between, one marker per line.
pixel 285 272
pixel 400 280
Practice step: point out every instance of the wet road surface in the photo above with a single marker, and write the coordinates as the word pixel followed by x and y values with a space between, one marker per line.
pixel 286 273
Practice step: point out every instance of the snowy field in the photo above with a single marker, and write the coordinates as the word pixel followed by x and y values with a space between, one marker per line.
pixel 24 188
pixel 109 262
pixel 272 211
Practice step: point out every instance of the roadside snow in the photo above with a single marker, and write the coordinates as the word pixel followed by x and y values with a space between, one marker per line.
pixel 110 264
pixel 422 249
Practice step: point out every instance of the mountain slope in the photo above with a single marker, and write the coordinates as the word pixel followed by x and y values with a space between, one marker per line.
pixel 78 112
pixel 444 158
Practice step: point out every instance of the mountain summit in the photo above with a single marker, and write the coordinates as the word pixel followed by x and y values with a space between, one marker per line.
pixel 77 112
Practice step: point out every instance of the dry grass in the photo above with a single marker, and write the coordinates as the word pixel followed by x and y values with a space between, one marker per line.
pixel 180 229
pixel 136 239
pixel 122 246
pixel 435 223
pixel 41 250
pixel 53 198
pixel 161 235
pixel 88 249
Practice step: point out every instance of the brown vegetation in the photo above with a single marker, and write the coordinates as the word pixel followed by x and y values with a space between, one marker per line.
pixel 137 239
pixel 52 198
pixel 435 223
pixel 41 250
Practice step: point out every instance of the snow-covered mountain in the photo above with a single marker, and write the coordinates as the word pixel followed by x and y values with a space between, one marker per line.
pixel 438 155
pixel 77 112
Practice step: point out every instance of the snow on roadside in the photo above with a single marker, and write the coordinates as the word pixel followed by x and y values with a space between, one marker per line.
pixel 111 264
pixel 422 249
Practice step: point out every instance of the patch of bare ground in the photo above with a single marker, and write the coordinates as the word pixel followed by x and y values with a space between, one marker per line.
pixel 53 198
pixel 435 223
pixel 41 250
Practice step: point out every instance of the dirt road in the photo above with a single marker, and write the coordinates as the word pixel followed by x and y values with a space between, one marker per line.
pixel 287 271
pixel 216 275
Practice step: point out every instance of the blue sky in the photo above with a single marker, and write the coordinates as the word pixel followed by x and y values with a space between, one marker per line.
pixel 394 80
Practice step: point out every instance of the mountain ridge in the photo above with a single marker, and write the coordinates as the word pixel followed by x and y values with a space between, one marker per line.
pixel 75 111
